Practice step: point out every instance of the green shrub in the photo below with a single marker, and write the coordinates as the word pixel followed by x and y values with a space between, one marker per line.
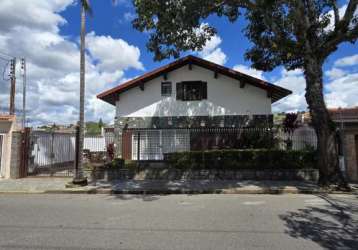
pixel 129 164
pixel 242 159
pixel 116 163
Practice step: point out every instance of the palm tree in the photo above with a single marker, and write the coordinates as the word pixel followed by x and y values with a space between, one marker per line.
pixel 78 176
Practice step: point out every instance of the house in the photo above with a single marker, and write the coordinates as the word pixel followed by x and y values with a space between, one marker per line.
pixel 9 143
pixel 159 109
pixel 347 120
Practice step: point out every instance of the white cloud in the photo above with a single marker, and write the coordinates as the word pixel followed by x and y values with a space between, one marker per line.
pixel 294 81
pixel 36 14
pixel 217 56
pixel 347 61
pixel 31 29
pixel 129 16
pixel 113 54
pixel 335 73
pixel 211 51
pixel 126 3
pixel 249 71
pixel 340 91
pixel 211 45
pixel 341 12
pixel 343 91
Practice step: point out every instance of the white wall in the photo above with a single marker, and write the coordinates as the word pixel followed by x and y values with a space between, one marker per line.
pixel 225 97
pixel 6 129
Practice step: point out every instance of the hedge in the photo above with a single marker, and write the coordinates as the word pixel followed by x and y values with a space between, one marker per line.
pixel 242 159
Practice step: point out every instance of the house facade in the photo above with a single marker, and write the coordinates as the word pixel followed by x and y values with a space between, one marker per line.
pixel 346 120
pixel 190 93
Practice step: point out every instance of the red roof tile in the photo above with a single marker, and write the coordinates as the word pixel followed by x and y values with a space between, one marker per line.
pixel 338 114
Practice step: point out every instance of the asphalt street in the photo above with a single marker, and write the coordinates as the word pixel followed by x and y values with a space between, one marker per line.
pixel 178 222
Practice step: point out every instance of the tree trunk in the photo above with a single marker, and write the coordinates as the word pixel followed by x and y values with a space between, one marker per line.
pixel 328 159
pixel 79 171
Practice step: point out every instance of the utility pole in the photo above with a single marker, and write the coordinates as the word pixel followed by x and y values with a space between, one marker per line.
pixel 23 67
pixel 13 85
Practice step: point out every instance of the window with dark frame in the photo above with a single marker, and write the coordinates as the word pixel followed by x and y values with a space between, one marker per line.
pixel 191 90
pixel 166 88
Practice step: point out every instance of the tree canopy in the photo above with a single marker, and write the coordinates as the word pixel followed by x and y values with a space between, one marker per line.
pixel 278 29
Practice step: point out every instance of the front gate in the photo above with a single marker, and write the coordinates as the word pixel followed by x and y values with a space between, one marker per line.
pixel 51 154
pixel 54 153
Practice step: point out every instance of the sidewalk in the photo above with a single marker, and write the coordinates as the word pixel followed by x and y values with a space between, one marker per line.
pixel 57 185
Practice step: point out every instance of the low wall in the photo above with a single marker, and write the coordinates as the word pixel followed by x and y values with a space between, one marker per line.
pixel 214 175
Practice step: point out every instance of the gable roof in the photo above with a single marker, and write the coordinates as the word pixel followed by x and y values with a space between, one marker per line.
pixel 274 91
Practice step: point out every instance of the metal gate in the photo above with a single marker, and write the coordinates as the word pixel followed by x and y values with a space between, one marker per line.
pixel 54 153
pixel 51 154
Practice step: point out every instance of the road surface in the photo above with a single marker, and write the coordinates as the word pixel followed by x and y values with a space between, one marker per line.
pixel 178 222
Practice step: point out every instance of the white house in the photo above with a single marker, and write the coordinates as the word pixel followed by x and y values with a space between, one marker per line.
pixel 190 93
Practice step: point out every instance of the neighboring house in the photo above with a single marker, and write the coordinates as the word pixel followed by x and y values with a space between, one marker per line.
pixel 188 93
pixel 8 147
pixel 347 120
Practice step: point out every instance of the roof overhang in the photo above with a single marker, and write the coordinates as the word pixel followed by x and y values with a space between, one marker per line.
pixel 274 92
pixel 7 118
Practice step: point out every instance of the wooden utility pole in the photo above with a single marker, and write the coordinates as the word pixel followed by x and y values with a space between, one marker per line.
pixel 13 86
pixel 23 67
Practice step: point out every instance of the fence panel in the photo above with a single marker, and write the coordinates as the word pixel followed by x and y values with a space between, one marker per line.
pixel 94 144
pixel 153 143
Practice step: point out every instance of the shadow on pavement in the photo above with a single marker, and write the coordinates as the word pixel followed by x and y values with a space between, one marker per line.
pixel 333 225
pixel 132 197
pixel 202 186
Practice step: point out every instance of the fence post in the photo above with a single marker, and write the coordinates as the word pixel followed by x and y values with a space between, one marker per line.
pixel 52 155
pixel 77 150
pixel 138 151
pixel 24 153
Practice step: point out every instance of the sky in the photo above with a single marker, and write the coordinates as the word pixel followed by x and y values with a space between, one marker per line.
pixel 46 33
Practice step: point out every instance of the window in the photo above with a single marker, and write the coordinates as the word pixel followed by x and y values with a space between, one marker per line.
pixel 166 88
pixel 191 90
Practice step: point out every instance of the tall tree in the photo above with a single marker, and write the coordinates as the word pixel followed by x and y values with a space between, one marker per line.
pixel 78 176
pixel 296 34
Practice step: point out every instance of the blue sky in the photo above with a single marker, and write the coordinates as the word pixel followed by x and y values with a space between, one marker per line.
pixel 117 52
pixel 115 21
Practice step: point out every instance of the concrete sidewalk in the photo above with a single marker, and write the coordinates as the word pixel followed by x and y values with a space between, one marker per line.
pixel 57 185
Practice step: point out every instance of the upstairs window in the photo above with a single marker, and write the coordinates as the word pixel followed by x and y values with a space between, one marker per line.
pixel 191 90
pixel 166 88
